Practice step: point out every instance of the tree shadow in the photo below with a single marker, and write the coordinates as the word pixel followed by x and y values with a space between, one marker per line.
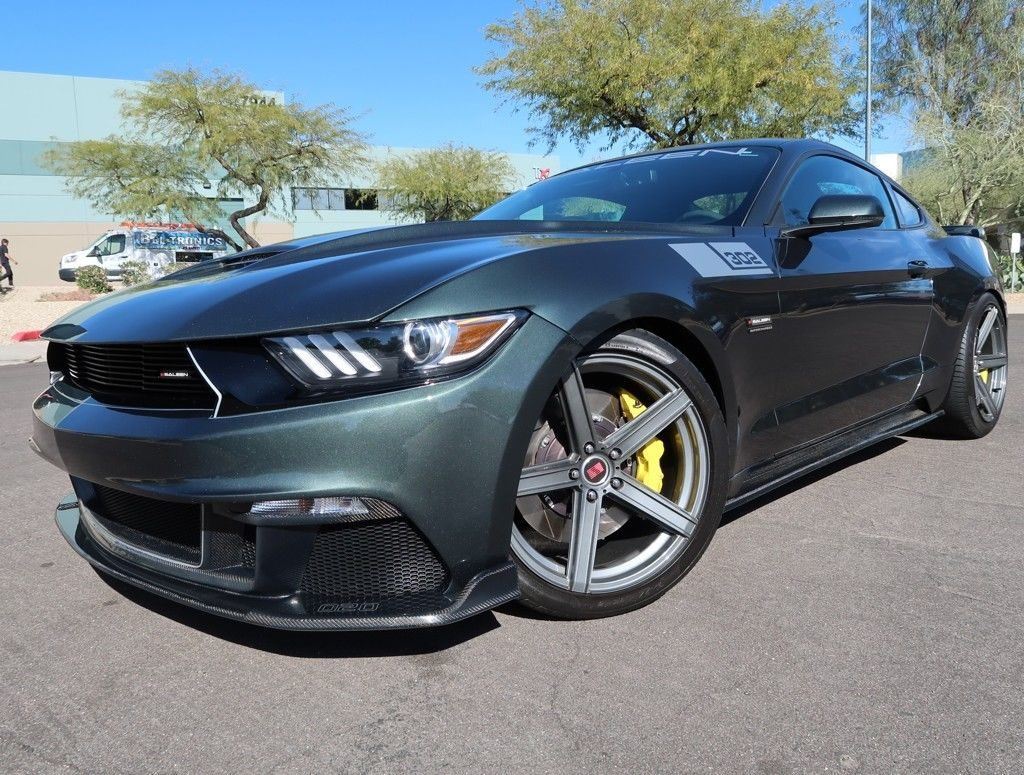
pixel 311 645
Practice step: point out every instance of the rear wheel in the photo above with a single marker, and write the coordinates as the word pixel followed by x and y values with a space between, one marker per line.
pixel 623 483
pixel 978 388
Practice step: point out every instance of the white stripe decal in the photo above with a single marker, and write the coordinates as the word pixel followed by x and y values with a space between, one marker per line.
pixel 722 259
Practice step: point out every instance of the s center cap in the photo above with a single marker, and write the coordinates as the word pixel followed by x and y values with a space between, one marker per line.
pixel 596 470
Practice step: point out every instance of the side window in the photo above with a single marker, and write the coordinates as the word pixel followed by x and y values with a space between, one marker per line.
pixel 910 215
pixel 823 175
pixel 111 245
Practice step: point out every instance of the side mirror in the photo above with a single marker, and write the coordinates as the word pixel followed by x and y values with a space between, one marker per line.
pixel 840 212
pixel 93 253
pixel 965 231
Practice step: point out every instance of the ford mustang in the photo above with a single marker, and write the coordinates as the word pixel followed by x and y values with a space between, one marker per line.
pixel 555 401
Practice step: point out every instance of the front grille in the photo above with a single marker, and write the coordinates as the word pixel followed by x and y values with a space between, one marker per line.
pixel 385 561
pixel 160 376
pixel 170 529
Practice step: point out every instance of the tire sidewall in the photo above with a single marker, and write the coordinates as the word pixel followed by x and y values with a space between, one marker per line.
pixel 981 426
pixel 560 602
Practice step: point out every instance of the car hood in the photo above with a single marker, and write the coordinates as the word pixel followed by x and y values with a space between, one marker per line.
pixel 313 282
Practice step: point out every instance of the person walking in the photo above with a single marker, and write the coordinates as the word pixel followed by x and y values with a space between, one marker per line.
pixel 5 262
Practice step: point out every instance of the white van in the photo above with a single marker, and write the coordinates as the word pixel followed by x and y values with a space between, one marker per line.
pixel 157 245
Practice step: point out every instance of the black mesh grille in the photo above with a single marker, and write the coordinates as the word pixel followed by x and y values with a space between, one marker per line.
pixel 144 375
pixel 374 561
pixel 171 529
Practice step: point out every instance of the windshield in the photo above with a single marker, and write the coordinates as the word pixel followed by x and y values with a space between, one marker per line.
pixel 700 186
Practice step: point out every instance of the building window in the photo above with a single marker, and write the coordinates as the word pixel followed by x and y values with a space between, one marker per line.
pixel 360 199
pixel 334 199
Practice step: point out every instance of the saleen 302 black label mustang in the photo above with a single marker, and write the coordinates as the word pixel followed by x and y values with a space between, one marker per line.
pixel 555 401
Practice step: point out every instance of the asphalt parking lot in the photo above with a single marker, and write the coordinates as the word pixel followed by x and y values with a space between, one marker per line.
pixel 866 620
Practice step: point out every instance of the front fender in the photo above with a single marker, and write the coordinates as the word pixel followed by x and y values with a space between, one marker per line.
pixel 591 290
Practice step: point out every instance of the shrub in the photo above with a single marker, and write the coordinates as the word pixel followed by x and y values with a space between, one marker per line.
pixel 176 266
pixel 134 273
pixel 92 279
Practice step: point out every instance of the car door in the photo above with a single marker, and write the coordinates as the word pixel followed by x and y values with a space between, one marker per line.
pixel 112 252
pixel 854 309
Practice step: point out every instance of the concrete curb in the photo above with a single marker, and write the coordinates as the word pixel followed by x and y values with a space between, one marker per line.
pixel 22 352
pixel 1015 309
pixel 26 336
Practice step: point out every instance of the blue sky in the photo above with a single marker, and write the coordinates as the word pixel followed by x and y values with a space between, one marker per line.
pixel 404 65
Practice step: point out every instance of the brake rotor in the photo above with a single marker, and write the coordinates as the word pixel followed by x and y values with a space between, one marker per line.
pixel 550 514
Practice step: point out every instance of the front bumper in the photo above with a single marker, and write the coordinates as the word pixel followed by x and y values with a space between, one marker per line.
pixel 484 591
pixel 447 456
pixel 67 275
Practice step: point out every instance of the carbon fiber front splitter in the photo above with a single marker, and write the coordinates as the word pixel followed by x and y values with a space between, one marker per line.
pixel 486 590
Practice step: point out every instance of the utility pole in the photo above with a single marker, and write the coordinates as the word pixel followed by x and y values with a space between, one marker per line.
pixel 867 96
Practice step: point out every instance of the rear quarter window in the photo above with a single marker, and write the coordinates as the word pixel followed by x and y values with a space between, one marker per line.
pixel 910 214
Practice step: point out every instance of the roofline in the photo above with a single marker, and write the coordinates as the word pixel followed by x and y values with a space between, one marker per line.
pixel 779 143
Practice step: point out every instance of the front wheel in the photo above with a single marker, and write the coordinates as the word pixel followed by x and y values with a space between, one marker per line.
pixel 623 483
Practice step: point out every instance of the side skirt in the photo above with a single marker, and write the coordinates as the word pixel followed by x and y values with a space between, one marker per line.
pixel 786 469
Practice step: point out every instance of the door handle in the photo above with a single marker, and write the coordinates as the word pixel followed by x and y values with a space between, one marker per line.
pixel 917 268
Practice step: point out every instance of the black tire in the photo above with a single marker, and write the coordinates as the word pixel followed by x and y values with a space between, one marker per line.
pixel 550 600
pixel 963 418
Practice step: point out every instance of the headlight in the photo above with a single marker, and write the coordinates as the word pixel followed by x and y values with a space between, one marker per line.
pixel 392 355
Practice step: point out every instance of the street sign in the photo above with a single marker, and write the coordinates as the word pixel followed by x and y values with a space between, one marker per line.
pixel 1015 243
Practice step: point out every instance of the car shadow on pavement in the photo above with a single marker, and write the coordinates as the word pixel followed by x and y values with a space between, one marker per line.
pixel 798 484
pixel 518 610
pixel 387 643
pixel 315 645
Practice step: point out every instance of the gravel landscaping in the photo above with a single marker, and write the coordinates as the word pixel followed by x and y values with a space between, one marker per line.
pixel 21 310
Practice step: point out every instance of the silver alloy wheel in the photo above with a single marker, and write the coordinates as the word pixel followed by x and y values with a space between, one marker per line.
pixel 596 469
pixel 990 359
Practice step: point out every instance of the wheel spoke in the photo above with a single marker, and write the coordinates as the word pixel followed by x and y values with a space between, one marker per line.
pixel 984 362
pixel 578 421
pixel 586 524
pixel 984 396
pixel 986 328
pixel 545 478
pixel 636 433
pixel 655 507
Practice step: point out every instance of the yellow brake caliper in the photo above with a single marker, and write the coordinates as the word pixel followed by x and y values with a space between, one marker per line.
pixel 648 459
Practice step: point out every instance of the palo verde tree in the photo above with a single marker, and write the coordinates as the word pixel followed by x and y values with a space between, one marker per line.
pixel 186 127
pixel 671 72
pixel 958 67
pixel 450 183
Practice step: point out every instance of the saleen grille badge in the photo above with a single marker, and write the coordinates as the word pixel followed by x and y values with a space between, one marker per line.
pixel 175 374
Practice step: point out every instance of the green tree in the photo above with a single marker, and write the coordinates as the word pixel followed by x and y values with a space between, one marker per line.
pixel 671 72
pixel 450 183
pixel 958 67
pixel 186 126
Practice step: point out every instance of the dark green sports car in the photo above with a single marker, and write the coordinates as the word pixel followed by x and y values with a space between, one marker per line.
pixel 555 401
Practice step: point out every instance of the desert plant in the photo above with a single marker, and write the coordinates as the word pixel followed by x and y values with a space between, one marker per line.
pixel 134 273
pixel 93 279
pixel 174 266
pixel 184 126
